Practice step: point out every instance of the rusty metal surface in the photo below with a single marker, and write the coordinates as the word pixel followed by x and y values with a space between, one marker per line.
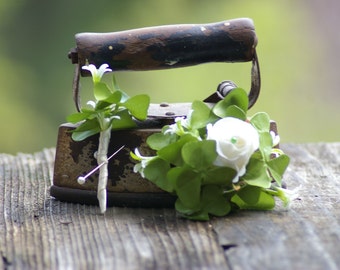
pixel 77 158
pixel 125 188
pixel 170 111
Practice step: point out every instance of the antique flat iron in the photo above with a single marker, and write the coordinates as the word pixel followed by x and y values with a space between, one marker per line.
pixel 151 48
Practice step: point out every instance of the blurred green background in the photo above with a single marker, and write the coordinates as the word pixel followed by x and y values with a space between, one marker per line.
pixel 298 53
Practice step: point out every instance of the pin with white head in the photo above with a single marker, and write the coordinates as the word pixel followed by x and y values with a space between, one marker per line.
pixel 82 179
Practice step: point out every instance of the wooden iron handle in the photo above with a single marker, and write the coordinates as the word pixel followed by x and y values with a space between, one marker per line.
pixel 167 46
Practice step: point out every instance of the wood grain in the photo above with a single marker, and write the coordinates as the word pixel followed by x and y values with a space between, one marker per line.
pixel 38 232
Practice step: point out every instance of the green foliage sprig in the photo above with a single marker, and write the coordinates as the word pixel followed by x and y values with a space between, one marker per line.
pixel 112 107
pixel 217 160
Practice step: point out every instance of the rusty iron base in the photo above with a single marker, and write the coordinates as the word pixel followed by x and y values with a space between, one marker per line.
pixel 124 188
pixel 120 199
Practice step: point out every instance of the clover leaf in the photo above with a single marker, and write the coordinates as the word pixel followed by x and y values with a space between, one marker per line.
pixel 172 152
pixel 237 97
pixel 277 167
pixel 187 185
pixel 221 176
pixel 199 155
pixel 201 115
pixel 257 173
pixel 138 106
pixel 261 121
pixel 213 202
pixel 253 198
pixel 235 111
pixel 77 117
pixel 113 98
pixel 156 172
pixel 101 91
pixel 157 141
pixel 123 120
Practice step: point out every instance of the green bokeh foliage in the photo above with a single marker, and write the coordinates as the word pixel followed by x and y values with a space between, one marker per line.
pixel 36 75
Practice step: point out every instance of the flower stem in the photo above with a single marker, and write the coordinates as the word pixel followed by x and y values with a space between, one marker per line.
pixel 104 139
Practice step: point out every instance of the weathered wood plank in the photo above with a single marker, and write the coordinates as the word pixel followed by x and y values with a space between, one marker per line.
pixel 39 232
pixel 307 236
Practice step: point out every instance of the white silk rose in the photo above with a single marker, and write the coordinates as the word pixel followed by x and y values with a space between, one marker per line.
pixel 236 141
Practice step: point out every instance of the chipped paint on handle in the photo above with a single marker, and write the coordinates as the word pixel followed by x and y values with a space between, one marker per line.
pixel 168 46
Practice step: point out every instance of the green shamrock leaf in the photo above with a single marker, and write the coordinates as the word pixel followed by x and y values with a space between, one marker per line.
pixel 157 141
pixel 257 174
pixel 86 129
pixel 235 111
pixel 187 185
pixel 237 97
pixel 213 202
pixel 261 121
pixel 156 172
pixel 277 167
pixel 222 176
pixel 172 152
pixel 200 154
pixel 77 117
pixel 122 120
pixel 201 115
pixel 253 198
pixel 101 91
pixel 138 106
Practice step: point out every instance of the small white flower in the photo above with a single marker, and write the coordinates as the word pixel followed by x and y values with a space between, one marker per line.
pixel 91 103
pixel 287 196
pixel 139 167
pixel 177 127
pixel 185 121
pixel 181 125
pixel 236 141
pixel 275 138
pixel 97 74
pixel 180 119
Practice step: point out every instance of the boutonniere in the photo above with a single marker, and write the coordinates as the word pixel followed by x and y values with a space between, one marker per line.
pixel 111 109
